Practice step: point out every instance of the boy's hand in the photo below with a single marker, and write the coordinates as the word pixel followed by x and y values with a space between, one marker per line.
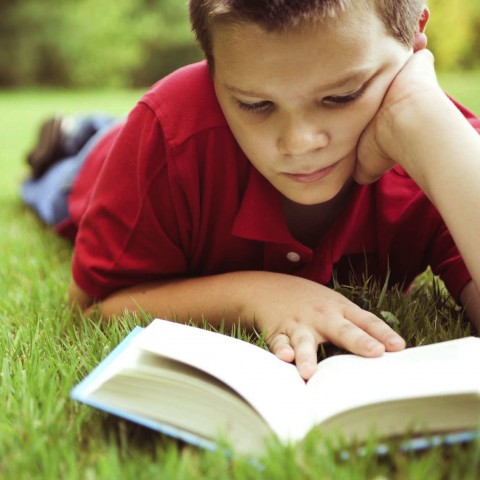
pixel 298 314
pixel 379 148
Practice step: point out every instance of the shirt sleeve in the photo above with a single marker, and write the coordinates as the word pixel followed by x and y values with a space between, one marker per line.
pixel 446 262
pixel 445 259
pixel 129 233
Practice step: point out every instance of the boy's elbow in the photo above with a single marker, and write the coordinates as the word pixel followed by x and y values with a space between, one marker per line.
pixel 78 298
pixel 470 299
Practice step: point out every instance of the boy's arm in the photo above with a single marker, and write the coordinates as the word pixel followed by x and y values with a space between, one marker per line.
pixel 419 128
pixel 296 314
pixel 470 299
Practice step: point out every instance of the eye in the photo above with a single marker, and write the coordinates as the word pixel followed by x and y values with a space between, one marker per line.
pixel 343 100
pixel 257 107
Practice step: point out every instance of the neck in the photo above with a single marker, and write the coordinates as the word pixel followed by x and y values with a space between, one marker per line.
pixel 307 223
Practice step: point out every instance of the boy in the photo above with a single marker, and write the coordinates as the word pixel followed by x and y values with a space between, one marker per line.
pixel 230 193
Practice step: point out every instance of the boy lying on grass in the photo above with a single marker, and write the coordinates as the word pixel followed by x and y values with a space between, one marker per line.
pixel 315 138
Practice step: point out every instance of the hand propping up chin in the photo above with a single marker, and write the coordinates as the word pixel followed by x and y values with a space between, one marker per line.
pixel 381 145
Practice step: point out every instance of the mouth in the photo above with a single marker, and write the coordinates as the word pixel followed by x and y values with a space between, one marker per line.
pixel 312 176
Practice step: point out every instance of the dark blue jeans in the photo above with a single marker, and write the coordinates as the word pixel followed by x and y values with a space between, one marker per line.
pixel 48 195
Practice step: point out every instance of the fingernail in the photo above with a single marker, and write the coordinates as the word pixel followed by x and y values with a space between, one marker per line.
pixel 307 370
pixel 373 345
pixel 395 341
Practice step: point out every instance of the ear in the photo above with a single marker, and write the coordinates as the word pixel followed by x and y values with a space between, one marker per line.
pixel 420 40
pixel 422 23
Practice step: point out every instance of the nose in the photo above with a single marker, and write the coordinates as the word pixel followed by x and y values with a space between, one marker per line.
pixel 300 136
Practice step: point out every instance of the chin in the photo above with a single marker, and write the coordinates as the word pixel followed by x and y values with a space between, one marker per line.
pixel 312 199
pixel 319 194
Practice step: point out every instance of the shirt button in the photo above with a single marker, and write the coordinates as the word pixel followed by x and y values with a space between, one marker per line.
pixel 293 257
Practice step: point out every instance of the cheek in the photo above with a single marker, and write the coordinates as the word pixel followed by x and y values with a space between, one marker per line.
pixel 373 99
pixel 251 132
pixel 359 118
pixel 247 134
pixel 254 140
pixel 347 130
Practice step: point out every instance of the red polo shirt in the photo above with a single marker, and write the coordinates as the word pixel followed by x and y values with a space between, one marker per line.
pixel 171 194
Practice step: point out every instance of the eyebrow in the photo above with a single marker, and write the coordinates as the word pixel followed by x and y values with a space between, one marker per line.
pixel 358 75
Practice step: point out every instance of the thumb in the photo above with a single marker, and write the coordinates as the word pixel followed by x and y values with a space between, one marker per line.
pixel 371 162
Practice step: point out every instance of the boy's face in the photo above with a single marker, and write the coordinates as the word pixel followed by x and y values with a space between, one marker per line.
pixel 297 102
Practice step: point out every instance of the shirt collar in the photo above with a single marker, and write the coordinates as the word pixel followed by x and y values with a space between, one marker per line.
pixel 260 216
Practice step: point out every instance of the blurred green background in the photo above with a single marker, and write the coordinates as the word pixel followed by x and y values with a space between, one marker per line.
pixel 132 43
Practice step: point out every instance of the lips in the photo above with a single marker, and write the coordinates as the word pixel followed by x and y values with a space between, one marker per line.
pixel 312 176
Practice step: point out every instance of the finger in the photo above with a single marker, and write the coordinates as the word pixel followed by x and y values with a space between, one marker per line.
pixel 305 345
pixel 423 62
pixel 364 176
pixel 376 328
pixel 420 41
pixel 371 163
pixel 279 345
pixel 344 333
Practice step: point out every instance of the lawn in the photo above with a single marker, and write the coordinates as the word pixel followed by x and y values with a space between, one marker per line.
pixel 464 86
pixel 44 351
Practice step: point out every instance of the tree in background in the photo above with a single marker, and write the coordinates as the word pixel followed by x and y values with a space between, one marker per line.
pixel 454 33
pixel 88 43
pixel 125 43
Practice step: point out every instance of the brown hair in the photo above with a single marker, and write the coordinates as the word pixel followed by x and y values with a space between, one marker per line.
pixel 400 17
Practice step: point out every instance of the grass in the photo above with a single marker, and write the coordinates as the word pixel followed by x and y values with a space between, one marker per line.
pixel 464 86
pixel 44 351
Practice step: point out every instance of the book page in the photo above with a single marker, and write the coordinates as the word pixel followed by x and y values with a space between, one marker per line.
pixel 191 400
pixel 348 381
pixel 274 388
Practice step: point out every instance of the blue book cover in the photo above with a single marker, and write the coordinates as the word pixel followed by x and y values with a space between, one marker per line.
pixel 170 379
pixel 81 393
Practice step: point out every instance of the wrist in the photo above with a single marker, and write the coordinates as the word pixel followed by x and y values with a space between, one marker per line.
pixel 408 124
pixel 416 132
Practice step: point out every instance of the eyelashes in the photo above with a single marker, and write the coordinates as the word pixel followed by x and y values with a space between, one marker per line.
pixel 257 107
pixel 345 99
pixel 332 101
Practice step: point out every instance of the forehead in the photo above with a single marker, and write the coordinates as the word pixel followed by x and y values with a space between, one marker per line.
pixel 357 13
pixel 247 54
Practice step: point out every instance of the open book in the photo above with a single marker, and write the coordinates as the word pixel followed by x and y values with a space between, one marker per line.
pixel 199 386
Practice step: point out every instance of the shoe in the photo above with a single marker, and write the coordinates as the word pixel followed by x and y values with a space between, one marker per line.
pixel 49 148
